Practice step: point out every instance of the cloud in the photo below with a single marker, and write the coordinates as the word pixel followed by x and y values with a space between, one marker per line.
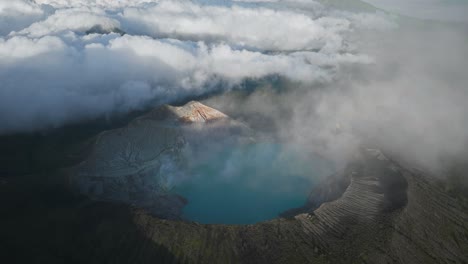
pixel 79 81
pixel 441 10
pixel 73 19
pixel 15 15
pixel 411 103
pixel 17 48
pixel 352 78
pixel 67 65
pixel 256 28
pixel 108 4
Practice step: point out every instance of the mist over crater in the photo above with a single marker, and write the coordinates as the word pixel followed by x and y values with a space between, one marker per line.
pixel 233 131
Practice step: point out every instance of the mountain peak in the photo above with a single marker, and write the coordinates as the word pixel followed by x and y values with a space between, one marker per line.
pixel 196 112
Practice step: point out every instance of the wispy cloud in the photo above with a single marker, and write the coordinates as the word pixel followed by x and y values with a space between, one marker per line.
pixel 63 61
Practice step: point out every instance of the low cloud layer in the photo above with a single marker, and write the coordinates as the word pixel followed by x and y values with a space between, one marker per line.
pixel 352 78
pixel 411 103
pixel 65 61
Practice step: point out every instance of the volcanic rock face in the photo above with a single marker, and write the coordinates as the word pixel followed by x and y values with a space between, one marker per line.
pixel 196 112
pixel 387 214
pixel 374 211
pixel 139 164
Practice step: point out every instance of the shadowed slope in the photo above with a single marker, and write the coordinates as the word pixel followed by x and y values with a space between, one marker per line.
pixel 387 214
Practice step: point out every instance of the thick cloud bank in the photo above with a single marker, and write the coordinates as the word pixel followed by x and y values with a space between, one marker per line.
pixel 411 103
pixel 352 78
pixel 63 61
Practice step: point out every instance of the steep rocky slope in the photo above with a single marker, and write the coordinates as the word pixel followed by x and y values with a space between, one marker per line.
pixel 139 163
pixel 376 210
pixel 387 214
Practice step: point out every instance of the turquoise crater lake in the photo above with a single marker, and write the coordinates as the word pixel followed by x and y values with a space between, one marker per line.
pixel 249 184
